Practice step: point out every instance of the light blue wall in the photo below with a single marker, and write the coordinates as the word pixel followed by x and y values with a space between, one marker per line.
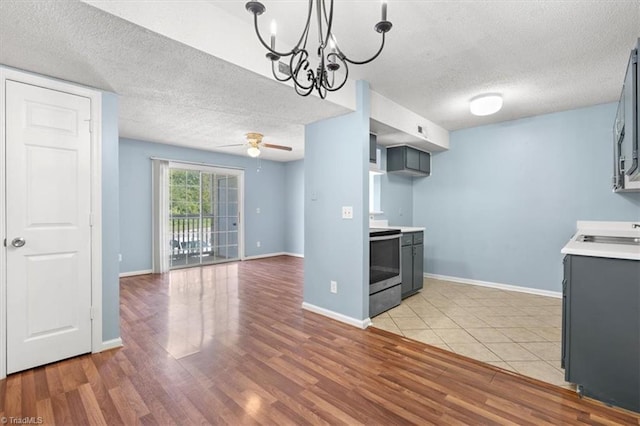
pixel 294 209
pixel 263 189
pixel 504 200
pixel 336 174
pixel 396 195
pixel 110 219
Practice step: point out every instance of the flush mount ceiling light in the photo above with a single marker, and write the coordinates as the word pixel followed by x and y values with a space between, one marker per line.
pixel 485 104
pixel 323 80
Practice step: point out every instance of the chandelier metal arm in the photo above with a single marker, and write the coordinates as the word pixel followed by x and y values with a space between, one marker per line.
pixel 319 6
pixel 302 92
pixel 368 60
pixel 300 41
pixel 329 21
pixel 301 64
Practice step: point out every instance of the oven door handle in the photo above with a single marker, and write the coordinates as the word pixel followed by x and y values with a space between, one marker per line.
pixel 385 237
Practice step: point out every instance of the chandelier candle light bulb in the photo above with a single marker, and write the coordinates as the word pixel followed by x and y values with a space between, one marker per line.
pixel 274 30
pixel 384 10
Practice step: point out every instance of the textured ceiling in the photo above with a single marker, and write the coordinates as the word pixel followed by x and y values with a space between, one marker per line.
pixel 543 56
pixel 169 93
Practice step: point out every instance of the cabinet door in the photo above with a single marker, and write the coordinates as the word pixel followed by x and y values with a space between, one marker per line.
pixel 372 148
pixel 618 128
pixel 565 331
pixel 418 266
pixel 604 331
pixel 412 158
pixel 425 162
pixel 627 145
pixel 407 269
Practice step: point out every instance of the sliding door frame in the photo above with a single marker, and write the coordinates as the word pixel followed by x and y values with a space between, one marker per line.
pixel 210 168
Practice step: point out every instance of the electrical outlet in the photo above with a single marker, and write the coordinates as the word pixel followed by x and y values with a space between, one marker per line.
pixel 334 286
pixel 257 243
pixel 258 210
pixel 120 258
pixel 347 212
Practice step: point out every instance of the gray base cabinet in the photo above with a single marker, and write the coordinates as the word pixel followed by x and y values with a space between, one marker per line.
pixel 601 328
pixel 412 262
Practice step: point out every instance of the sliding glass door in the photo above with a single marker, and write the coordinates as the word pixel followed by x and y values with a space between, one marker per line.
pixel 204 217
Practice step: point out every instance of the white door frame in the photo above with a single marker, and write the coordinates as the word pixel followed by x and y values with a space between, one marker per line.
pixel 95 96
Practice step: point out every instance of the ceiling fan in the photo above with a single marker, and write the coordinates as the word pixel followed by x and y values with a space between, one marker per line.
pixel 254 141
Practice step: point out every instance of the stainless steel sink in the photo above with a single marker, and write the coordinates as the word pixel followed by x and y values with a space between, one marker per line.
pixel 603 239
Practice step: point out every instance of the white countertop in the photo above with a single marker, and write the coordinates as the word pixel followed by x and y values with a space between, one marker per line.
pixel 611 229
pixel 405 229
pixel 385 224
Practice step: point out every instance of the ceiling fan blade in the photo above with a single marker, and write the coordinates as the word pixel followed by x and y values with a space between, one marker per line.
pixel 282 147
pixel 227 146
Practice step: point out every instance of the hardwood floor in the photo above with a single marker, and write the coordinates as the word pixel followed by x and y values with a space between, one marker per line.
pixel 229 344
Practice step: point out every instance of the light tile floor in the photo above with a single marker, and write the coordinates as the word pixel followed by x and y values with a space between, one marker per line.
pixel 515 331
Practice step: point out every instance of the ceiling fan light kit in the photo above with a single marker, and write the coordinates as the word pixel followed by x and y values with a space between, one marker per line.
pixel 330 57
pixel 254 140
pixel 253 151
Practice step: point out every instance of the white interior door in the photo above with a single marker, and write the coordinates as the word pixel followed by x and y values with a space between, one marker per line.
pixel 48 166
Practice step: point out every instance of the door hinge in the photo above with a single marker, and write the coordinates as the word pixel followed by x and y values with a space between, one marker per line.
pixel 91 312
pixel 5 242
pixel 90 219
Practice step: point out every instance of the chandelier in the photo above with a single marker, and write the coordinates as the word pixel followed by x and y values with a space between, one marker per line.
pixel 330 57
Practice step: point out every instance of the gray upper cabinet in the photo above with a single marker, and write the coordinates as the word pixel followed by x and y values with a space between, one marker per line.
pixel 626 175
pixel 408 161
pixel 629 145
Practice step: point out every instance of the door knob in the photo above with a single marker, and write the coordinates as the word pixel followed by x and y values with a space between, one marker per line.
pixel 18 242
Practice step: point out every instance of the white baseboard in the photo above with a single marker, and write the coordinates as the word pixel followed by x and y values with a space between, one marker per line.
pixel 336 316
pixel 294 254
pixel 259 256
pixel 134 273
pixel 262 256
pixel 111 344
pixel 508 287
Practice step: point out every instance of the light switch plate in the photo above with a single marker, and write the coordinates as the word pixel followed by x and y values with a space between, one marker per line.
pixel 347 212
